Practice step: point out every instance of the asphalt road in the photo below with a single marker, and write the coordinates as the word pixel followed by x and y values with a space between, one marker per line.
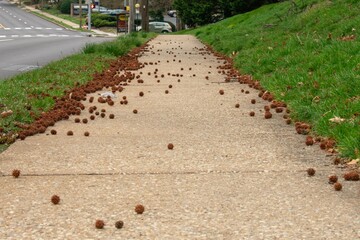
pixel 28 42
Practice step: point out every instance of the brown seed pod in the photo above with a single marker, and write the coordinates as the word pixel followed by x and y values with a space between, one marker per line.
pixel 92 117
pixel 311 171
pixel 119 224
pixel 267 108
pixel 111 116
pixel 141 94
pixel 288 121
pixel 135 111
pixel 279 110
pixel 170 146
pixel 337 161
pixel 237 105
pixel 253 101
pixel 139 209
pixel 70 133
pixel 91 99
pixel 268 115
pixel 352 176
pixel 309 141
pixel 102 115
pixel 77 120
pixel 53 132
pixel 86 134
pixel 16 173
pixel 221 92
pixel 99 224
pixel 170 86
pixel 333 179
pixel 337 186
pixel 252 113
pixel 55 199
pixel 85 120
pixel 166 91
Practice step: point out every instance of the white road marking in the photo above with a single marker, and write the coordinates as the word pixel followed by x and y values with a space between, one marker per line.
pixel 6 40
pixel 30 28
pixel 40 35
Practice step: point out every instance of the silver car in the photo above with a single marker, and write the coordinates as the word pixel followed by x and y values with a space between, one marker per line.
pixel 159 27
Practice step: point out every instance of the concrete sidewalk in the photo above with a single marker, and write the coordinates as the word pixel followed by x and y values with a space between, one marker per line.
pixel 229 176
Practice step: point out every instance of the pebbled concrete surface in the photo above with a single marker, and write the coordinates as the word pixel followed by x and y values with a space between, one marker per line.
pixel 229 176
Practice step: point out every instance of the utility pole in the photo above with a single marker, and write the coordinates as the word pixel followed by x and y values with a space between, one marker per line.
pixel 131 27
pixel 89 14
pixel 80 13
pixel 145 15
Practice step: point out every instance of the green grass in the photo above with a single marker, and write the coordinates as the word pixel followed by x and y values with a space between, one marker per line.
pixel 288 49
pixel 31 93
pixel 57 13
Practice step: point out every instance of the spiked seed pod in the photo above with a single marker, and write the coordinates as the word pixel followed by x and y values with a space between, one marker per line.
pixel 311 172
pixel 139 209
pixel 119 224
pixel 333 179
pixel 352 176
pixel 337 186
pixel 55 199
pixel 16 173
pixel 309 141
pixel 268 115
pixel 99 224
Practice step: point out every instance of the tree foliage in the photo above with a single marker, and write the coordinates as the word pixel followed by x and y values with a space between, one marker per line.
pixel 202 12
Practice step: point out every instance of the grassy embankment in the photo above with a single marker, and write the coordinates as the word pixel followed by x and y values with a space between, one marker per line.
pixel 30 93
pixel 308 55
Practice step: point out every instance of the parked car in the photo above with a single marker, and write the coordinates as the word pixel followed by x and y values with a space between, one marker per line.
pixel 100 9
pixel 159 27
pixel 84 9
pixel 116 11
pixel 172 13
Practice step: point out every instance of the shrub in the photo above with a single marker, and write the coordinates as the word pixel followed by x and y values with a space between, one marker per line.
pixel 65 6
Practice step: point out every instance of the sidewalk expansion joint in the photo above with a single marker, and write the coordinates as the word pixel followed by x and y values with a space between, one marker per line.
pixel 165 173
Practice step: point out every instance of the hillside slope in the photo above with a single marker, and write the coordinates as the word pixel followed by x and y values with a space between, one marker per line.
pixel 306 53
